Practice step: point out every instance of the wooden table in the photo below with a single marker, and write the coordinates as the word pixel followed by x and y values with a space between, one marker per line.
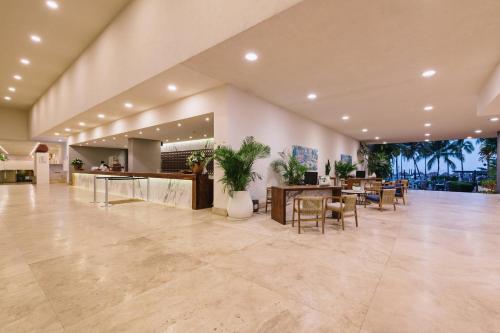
pixel 361 195
pixel 283 195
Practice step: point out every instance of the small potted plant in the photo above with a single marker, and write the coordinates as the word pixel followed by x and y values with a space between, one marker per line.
pixel 77 164
pixel 344 169
pixel 289 168
pixel 197 161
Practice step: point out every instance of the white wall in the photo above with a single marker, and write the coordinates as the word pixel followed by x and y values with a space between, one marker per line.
pixel 145 39
pixel 16 162
pixel 249 115
pixel 144 155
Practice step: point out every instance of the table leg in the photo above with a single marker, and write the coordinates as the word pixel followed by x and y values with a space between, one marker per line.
pixel 106 194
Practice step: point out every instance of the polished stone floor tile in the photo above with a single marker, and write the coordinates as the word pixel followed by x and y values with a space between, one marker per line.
pixel 67 264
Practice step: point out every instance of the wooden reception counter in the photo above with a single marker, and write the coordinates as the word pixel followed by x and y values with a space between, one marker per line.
pixel 175 189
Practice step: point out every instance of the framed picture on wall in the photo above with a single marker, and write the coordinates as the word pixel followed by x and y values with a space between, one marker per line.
pixel 306 156
pixel 346 158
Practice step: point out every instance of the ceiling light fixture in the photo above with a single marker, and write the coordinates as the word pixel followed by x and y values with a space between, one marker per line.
pixel 140 132
pixel 427 134
pixel 114 138
pixel 428 108
pixel 207 119
pixel 86 143
pixel 128 105
pixel 17 77
pixel 52 4
pixel 67 129
pixel 345 117
pixel 36 39
pixel 312 96
pixel 364 130
pixel 56 133
pixel 190 137
pixel 59 140
pixel 103 140
pixel 469 137
pixel 429 73
pixel 204 135
pixel 101 116
pixel 494 119
pixel 157 128
pixel 172 87
pixel 125 146
pixel 25 61
pixel 377 138
pixel 179 124
pixel 385 142
pixel 126 135
pixel 7 98
pixel 478 131
pixel 81 123
pixel 427 124
pixel 178 139
pixel 251 56
pixel 12 89
pixel 427 140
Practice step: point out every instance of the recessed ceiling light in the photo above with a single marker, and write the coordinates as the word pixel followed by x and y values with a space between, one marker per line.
pixel 469 137
pixel 178 139
pixel 427 134
pixel 59 140
pixel 67 129
pixel 172 87
pixel 385 142
pixel 312 96
pixel 81 123
pixel 377 138
pixel 427 124
pixel 128 105
pixel 364 130
pixel 166 140
pixel 7 98
pixel 190 137
pixel 478 131
pixel 86 143
pixel 12 89
pixel 179 124
pixel 428 108
pixel 345 117
pixel 157 128
pixel 429 73
pixel 36 39
pixel 17 77
pixel 52 4
pixel 25 61
pixel 101 116
pixel 251 56
pixel 103 140
pixel 427 140
pixel 125 146
pixel 205 135
pixel 207 119
pixel 494 119
pixel 126 135
pixel 56 133
pixel 95 141
pixel 140 132
pixel 114 138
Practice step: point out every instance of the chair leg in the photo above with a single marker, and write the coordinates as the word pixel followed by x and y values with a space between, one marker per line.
pixel 394 207
pixel 317 219
pixel 323 224
pixel 356 216
pixel 293 217
pixel 299 223
pixel 342 221
pixel 404 201
pixel 266 207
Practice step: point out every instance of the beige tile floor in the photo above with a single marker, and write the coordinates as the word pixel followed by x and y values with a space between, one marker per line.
pixel 69 265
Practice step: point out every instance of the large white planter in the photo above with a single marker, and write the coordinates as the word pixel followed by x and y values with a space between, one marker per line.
pixel 240 205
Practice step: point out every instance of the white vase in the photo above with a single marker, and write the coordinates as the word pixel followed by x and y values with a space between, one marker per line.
pixel 240 205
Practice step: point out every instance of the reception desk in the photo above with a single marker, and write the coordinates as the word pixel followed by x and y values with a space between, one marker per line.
pixel 171 189
pixel 282 198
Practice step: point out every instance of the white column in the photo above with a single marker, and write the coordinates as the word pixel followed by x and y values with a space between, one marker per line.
pixel 42 168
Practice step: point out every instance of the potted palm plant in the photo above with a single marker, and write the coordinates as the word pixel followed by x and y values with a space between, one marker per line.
pixel 238 173
pixel 291 170
pixel 344 169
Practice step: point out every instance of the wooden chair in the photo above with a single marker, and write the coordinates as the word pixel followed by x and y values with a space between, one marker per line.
pixel 401 192
pixel 404 183
pixel 384 197
pixel 309 206
pixel 346 204
pixel 269 200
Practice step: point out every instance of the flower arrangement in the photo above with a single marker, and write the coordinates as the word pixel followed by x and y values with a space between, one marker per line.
pixel 77 164
pixel 197 161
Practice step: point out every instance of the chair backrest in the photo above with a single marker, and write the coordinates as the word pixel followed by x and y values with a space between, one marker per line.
pixel 376 186
pixel 349 203
pixel 311 203
pixel 269 192
pixel 388 196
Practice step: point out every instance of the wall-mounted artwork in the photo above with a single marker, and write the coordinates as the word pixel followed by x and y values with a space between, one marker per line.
pixel 346 158
pixel 306 156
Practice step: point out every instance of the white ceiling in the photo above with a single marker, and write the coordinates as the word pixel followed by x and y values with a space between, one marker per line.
pixel 195 128
pixel 24 148
pixel 65 33
pixel 364 59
